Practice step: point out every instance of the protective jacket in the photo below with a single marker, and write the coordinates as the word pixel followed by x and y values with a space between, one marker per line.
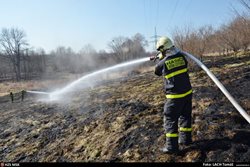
pixel 174 69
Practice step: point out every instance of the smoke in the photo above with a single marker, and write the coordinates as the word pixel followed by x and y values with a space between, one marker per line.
pixel 94 78
pixel 88 82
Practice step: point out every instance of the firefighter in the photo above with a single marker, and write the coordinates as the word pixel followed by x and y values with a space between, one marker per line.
pixel 12 97
pixel 178 106
pixel 22 94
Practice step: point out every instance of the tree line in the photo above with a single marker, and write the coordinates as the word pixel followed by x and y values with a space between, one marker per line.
pixel 19 61
pixel 231 37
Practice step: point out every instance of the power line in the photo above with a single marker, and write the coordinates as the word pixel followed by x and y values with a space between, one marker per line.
pixel 155 37
pixel 187 7
pixel 157 13
pixel 171 18
pixel 146 15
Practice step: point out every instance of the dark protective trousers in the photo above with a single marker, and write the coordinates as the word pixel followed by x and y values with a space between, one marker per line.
pixel 177 121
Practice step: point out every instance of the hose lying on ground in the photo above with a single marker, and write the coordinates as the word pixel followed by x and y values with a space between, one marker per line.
pixel 222 88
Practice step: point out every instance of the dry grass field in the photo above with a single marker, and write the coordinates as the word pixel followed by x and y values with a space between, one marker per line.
pixel 120 120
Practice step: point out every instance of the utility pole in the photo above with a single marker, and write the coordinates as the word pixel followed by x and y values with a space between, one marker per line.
pixel 155 39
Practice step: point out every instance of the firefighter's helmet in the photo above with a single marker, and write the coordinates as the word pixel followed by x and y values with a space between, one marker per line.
pixel 163 44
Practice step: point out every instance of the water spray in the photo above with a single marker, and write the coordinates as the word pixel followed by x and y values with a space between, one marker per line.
pixel 37 92
pixel 55 95
pixel 222 88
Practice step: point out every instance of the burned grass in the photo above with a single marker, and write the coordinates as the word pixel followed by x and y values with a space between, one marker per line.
pixel 121 120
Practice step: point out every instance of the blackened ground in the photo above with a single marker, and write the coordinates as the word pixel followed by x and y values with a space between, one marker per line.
pixel 121 120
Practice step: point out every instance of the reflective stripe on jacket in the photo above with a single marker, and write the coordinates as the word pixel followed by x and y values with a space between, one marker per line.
pixel 174 69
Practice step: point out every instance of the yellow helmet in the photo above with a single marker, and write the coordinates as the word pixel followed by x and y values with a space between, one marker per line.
pixel 164 43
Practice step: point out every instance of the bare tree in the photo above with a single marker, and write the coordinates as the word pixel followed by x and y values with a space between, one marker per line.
pixel 187 39
pixel 64 59
pixel 246 4
pixel 139 44
pixel 4 67
pixel 128 48
pixel 88 55
pixel 204 34
pixel 42 59
pixel 180 36
pixel 116 47
pixel 236 33
pixel 216 44
pixel 242 24
pixel 13 41
pixel 193 41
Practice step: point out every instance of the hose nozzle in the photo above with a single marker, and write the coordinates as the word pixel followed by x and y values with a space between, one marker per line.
pixel 154 57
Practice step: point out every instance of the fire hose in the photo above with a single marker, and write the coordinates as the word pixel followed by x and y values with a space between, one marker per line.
pixel 218 83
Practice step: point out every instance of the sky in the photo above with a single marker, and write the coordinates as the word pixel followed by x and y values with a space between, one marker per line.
pixel 49 24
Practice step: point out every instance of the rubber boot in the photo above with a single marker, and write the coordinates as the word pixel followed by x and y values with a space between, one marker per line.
pixel 171 146
pixel 185 138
